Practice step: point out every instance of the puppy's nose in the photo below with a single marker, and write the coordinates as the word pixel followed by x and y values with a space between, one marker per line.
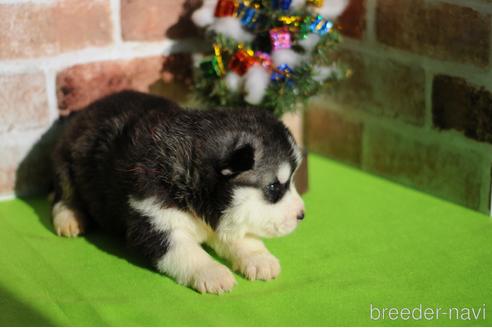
pixel 300 216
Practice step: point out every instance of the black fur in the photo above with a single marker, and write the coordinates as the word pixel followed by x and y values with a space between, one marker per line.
pixel 141 145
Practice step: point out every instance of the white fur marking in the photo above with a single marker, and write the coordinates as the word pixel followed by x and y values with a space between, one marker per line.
pixel 185 259
pixel 295 150
pixel 171 219
pixel 190 265
pixel 283 173
pixel 250 257
pixel 250 213
pixel 226 172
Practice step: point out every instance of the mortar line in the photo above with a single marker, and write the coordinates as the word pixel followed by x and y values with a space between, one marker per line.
pixel 486 187
pixel 50 78
pixel 127 50
pixel 490 200
pixel 429 76
pixel 370 35
pixel 490 55
pixel 15 2
pixel 116 21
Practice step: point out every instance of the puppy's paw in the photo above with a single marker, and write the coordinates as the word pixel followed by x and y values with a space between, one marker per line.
pixel 67 222
pixel 214 279
pixel 263 266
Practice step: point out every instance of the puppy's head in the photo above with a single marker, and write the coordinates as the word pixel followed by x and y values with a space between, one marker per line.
pixel 262 198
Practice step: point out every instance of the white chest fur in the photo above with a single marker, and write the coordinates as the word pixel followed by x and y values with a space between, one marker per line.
pixel 171 219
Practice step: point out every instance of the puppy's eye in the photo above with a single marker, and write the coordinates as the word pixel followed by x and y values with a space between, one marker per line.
pixel 273 191
pixel 273 187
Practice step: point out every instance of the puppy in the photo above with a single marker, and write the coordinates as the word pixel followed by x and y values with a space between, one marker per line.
pixel 168 180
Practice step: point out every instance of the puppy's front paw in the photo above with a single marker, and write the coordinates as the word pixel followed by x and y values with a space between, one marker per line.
pixel 263 266
pixel 214 279
pixel 67 222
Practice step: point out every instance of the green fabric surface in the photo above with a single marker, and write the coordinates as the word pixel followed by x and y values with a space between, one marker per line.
pixel 364 241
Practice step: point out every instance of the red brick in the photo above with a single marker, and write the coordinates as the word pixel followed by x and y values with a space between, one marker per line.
pixel 382 87
pixel 441 30
pixel 433 168
pixel 352 22
pixel 40 29
pixel 332 135
pixel 79 85
pixel 23 101
pixel 462 106
pixel 157 19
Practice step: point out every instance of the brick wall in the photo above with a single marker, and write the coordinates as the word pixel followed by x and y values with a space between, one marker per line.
pixel 418 108
pixel 56 56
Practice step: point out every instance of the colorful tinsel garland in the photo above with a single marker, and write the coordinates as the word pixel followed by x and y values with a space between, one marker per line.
pixel 281 49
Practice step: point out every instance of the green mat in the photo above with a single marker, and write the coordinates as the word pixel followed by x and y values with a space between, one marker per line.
pixel 364 241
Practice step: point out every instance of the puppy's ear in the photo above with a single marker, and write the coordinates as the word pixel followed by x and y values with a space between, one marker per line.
pixel 239 160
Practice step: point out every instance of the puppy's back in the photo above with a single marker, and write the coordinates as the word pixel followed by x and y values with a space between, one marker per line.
pixel 90 147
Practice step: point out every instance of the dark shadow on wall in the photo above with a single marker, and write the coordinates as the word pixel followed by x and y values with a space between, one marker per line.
pixel 184 27
pixel 176 78
pixel 34 173
pixel 177 71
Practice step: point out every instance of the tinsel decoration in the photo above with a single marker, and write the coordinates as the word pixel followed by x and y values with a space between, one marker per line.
pixel 241 61
pixel 249 15
pixel 291 53
pixel 320 25
pixel 280 38
pixel 225 8
pixel 281 4
pixel 316 3
pixel 283 73
pixel 218 58
pixel 210 67
pixel 264 59
pixel 292 23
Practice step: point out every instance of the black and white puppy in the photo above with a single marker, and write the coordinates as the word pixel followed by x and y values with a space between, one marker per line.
pixel 168 180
